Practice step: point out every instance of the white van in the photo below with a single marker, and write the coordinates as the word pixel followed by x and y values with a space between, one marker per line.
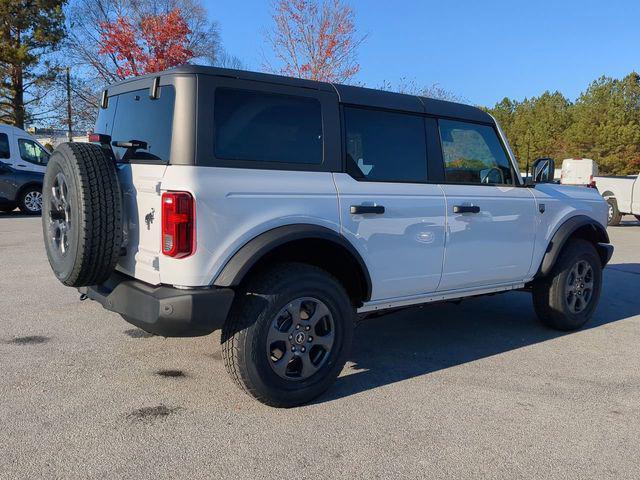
pixel 579 171
pixel 21 151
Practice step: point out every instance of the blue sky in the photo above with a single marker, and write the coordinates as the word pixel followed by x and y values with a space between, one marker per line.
pixel 480 50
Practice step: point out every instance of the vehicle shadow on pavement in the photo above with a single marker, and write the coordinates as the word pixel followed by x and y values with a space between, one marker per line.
pixel 418 341
pixel 16 214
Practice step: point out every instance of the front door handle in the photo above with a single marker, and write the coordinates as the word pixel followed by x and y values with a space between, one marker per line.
pixel 361 209
pixel 466 209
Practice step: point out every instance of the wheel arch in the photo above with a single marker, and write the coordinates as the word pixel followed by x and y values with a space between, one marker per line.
pixel 607 194
pixel 26 186
pixel 306 243
pixel 579 226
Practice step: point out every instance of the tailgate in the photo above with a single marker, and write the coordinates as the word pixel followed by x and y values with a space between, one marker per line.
pixel 141 201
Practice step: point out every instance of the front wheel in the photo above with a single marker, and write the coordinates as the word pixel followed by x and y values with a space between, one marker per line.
pixel 567 298
pixel 288 335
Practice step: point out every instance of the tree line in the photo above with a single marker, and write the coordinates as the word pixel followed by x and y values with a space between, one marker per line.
pixel 56 53
pixel 602 124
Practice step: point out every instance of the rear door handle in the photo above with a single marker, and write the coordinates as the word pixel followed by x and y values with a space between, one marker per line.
pixel 466 209
pixel 361 209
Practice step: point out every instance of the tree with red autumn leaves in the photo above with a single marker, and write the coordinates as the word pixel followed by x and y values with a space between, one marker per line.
pixel 314 39
pixel 158 42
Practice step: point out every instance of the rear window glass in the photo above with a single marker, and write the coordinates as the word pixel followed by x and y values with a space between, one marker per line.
pixel 4 146
pixel 138 117
pixel 267 127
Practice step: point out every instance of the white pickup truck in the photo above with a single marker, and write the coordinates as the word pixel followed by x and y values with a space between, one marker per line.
pixel 622 194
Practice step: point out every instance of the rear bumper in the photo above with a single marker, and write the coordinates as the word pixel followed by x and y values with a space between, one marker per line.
pixel 162 310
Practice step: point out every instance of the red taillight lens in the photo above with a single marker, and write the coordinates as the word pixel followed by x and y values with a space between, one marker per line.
pixel 178 224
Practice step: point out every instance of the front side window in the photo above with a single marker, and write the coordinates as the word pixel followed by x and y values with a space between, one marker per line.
pixel 267 127
pixel 473 154
pixel 385 146
pixel 138 117
pixel 5 152
pixel 31 152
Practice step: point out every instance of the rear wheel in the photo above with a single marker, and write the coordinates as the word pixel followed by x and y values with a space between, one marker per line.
pixel 30 201
pixel 567 298
pixel 614 217
pixel 288 335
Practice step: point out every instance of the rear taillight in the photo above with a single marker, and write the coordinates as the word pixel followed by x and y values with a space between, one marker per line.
pixel 178 224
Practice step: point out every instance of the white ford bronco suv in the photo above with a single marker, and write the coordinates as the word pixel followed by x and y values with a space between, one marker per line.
pixel 281 210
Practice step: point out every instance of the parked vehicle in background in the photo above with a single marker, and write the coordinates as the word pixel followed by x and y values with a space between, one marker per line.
pixel 21 150
pixel 579 171
pixel 280 210
pixel 20 188
pixel 622 194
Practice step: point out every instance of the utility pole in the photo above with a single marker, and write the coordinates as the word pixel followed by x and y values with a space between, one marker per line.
pixel 69 124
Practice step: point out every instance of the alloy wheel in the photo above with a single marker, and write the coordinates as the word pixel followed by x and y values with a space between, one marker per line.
pixel 33 201
pixel 300 338
pixel 579 286
pixel 60 214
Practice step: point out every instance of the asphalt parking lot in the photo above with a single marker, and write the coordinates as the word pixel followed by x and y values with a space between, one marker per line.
pixel 477 390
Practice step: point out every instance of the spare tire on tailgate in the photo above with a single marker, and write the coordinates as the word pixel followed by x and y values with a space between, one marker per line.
pixel 81 214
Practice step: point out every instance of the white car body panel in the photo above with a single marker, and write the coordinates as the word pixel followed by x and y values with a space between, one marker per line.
pixel 233 206
pixel 16 161
pixel 492 246
pixel 404 248
pixel 626 191
pixel 561 202
pixel 141 197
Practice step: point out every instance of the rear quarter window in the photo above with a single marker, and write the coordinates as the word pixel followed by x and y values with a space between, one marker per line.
pixel 267 127
pixel 138 117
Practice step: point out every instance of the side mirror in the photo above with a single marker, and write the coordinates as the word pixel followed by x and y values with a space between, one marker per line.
pixel 544 170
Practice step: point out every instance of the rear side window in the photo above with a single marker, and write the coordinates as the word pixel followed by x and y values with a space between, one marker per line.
pixel 267 127
pixel 473 154
pixel 385 146
pixel 138 117
pixel 31 152
pixel 5 152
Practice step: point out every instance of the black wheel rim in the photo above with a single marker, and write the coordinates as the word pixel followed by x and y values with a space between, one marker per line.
pixel 300 339
pixel 60 214
pixel 579 286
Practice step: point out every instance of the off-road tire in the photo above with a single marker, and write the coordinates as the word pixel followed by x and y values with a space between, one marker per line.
pixel 550 293
pixel 24 205
pixel 94 211
pixel 244 336
pixel 614 217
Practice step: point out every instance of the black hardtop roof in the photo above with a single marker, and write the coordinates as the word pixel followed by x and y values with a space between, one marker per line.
pixel 347 94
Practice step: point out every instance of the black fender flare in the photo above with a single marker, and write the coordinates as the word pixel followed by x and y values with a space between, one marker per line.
pixel 585 227
pixel 248 255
